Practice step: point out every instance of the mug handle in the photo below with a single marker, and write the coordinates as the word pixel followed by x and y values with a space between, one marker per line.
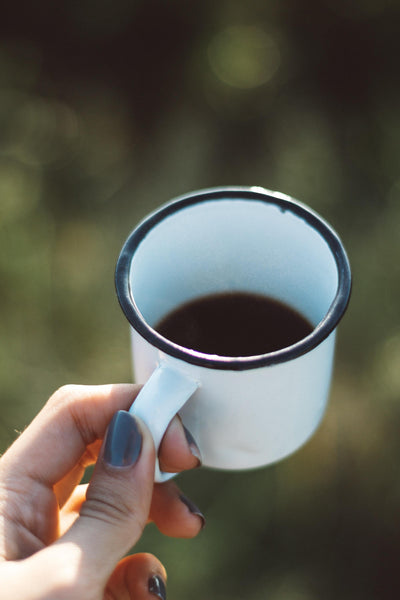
pixel 157 403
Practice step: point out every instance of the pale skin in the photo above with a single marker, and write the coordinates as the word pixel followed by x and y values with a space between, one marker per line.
pixel 60 540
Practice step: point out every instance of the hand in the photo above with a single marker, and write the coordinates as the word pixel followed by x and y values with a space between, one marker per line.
pixel 61 540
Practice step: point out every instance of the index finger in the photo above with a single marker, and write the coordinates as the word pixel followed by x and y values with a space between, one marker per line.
pixel 73 418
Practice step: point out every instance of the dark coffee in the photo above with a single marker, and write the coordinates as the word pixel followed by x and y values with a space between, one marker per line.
pixel 234 324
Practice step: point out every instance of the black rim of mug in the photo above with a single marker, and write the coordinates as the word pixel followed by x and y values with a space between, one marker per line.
pixel 285 203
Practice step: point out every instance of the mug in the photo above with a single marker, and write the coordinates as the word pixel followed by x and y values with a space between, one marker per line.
pixel 245 411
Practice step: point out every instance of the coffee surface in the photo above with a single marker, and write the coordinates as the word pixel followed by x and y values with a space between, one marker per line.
pixel 234 324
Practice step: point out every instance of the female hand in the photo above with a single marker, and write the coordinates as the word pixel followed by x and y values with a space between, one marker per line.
pixel 61 540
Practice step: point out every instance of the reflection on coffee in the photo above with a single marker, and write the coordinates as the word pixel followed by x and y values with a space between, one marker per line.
pixel 234 324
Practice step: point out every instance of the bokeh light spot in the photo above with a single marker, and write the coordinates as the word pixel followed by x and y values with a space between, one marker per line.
pixel 244 56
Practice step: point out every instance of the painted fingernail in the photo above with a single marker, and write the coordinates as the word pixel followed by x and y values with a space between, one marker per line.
pixel 123 441
pixel 193 509
pixel 157 587
pixel 194 449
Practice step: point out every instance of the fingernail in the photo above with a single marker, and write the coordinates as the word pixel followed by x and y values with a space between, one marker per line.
pixel 123 441
pixel 157 587
pixel 193 509
pixel 194 449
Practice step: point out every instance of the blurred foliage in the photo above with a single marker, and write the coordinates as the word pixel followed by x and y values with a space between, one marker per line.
pixel 108 110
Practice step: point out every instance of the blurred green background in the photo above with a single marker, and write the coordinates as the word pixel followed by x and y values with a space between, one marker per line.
pixel 109 109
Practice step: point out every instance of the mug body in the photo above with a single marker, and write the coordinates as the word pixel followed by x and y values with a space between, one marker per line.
pixel 248 418
pixel 248 410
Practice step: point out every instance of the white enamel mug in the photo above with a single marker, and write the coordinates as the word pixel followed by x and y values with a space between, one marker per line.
pixel 243 412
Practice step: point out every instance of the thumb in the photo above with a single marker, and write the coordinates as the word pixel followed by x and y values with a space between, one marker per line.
pixel 118 498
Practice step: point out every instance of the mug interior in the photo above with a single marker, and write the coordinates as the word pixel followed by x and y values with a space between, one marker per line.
pixel 233 245
pixel 233 240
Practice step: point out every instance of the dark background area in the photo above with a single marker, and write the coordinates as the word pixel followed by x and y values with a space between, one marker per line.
pixel 109 109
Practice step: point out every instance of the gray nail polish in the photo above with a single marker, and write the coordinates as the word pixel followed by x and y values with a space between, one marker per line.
pixel 194 449
pixel 193 509
pixel 123 441
pixel 157 587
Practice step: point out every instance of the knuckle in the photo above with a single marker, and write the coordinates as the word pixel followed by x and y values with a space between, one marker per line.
pixel 114 504
pixel 70 400
pixel 63 395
